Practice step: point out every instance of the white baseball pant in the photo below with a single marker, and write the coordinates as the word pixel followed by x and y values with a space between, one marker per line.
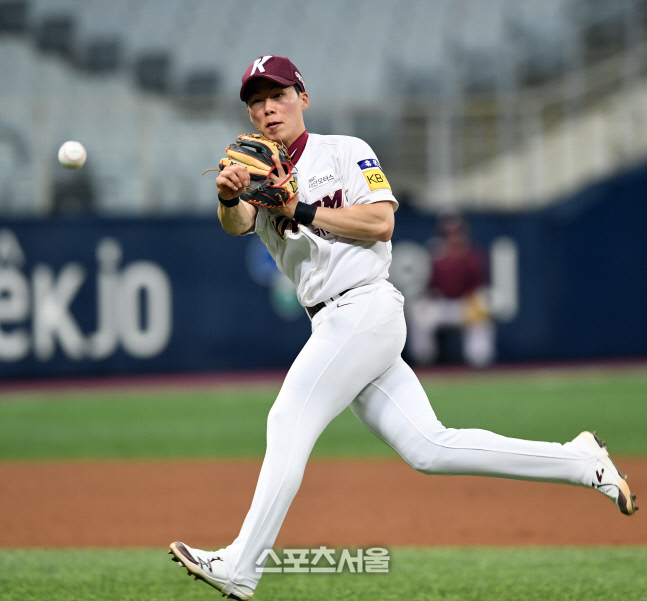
pixel 353 359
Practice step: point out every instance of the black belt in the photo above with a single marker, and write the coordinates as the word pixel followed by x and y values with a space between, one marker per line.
pixel 312 311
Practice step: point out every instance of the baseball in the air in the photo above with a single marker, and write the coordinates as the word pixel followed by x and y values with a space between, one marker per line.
pixel 72 155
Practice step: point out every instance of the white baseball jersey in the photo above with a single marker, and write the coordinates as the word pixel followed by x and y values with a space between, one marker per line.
pixel 334 172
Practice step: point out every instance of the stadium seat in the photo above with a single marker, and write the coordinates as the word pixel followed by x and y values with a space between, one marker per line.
pixel 152 71
pixel 13 16
pixel 101 55
pixel 55 34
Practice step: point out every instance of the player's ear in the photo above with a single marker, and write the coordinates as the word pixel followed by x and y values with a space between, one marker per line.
pixel 305 101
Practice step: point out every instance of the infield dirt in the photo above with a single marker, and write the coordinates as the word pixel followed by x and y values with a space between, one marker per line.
pixel 340 503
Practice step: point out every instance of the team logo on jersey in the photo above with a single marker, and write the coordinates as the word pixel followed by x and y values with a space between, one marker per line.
pixel 373 174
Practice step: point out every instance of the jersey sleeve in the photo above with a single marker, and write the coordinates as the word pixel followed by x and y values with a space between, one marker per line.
pixel 364 180
pixel 260 221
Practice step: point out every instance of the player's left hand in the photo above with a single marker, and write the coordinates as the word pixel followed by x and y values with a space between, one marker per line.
pixel 290 206
pixel 270 180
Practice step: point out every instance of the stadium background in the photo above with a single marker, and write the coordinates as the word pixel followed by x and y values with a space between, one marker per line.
pixel 528 117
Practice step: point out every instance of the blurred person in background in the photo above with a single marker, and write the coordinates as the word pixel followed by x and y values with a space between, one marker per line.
pixel 455 298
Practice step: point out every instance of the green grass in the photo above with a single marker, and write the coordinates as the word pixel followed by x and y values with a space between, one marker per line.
pixel 106 424
pixel 444 574
pixel 231 423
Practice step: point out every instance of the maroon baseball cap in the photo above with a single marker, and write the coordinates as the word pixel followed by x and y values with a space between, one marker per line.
pixel 278 69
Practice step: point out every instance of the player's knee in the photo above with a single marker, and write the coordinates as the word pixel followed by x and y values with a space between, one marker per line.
pixel 425 451
pixel 278 419
pixel 421 458
pixel 280 428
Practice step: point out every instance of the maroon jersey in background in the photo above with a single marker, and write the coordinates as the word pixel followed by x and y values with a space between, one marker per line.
pixel 458 268
pixel 457 274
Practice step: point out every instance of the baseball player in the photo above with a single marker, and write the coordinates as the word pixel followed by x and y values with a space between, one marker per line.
pixel 332 240
pixel 455 297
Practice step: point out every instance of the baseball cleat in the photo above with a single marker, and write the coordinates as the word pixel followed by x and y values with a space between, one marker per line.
pixel 607 477
pixel 208 566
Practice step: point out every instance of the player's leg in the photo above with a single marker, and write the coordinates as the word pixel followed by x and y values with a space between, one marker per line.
pixel 421 342
pixel 478 343
pixel 350 346
pixel 396 408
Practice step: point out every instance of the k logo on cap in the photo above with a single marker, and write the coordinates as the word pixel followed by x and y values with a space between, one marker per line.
pixel 258 64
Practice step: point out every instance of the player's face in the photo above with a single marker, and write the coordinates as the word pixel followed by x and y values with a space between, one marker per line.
pixel 277 112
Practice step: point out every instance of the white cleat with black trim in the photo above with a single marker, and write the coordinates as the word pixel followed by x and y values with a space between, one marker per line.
pixel 607 477
pixel 209 566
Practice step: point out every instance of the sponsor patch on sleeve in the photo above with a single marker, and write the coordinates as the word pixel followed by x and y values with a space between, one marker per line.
pixel 373 174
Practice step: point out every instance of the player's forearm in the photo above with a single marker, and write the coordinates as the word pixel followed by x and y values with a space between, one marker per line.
pixel 359 222
pixel 237 220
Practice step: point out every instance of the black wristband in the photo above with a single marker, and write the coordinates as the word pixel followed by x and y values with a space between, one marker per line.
pixel 304 213
pixel 229 203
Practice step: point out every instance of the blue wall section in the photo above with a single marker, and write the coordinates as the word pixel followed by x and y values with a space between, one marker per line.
pixel 605 262
pixel 179 294
pixel 217 313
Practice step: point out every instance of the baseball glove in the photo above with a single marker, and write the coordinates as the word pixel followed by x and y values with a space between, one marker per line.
pixel 255 152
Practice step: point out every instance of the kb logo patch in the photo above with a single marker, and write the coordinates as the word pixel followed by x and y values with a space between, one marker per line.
pixel 373 174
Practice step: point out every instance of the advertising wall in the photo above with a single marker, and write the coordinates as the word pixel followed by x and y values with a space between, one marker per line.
pixel 84 295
